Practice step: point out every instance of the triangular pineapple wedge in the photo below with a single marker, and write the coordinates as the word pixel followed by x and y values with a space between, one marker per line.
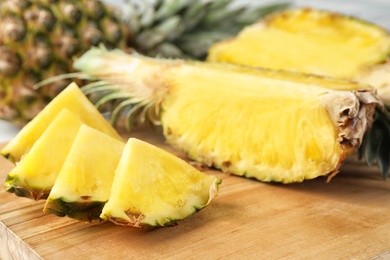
pixel 313 41
pixel 270 125
pixel 35 174
pixel 84 182
pixel 75 101
pixel 154 188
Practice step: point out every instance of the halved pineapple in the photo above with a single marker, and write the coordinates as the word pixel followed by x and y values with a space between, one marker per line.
pixel 75 101
pixel 270 125
pixel 84 181
pixel 154 188
pixel 313 41
pixel 35 174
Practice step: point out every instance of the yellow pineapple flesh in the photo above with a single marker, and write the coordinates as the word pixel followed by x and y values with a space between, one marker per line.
pixel 76 102
pixel 153 188
pixel 266 124
pixel 83 184
pixel 312 41
pixel 36 173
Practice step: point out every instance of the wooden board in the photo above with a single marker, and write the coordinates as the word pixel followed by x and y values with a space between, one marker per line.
pixel 348 218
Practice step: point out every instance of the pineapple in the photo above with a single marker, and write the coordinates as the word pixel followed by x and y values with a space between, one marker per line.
pixel 324 43
pixel 313 41
pixel 269 125
pixel 153 188
pixel 75 101
pixel 84 180
pixel 36 173
pixel 39 38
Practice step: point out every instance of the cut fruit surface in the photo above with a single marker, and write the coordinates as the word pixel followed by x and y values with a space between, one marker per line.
pixel 84 182
pixel 273 129
pixel 75 101
pixel 307 40
pixel 35 174
pixel 155 188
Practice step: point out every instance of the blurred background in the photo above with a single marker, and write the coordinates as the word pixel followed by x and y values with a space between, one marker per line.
pixel 375 11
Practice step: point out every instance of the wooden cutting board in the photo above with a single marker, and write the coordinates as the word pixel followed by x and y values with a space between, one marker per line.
pixel 348 218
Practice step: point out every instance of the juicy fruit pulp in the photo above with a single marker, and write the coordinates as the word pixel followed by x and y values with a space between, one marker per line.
pixel 312 41
pixel 84 181
pixel 36 173
pixel 155 188
pixel 270 125
pixel 270 130
pixel 76 102
pixel 309 41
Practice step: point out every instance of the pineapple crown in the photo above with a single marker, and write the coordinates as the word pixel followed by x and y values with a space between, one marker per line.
pixel 107 71
pixel 187 28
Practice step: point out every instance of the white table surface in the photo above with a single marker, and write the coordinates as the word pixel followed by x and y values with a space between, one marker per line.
pixel 376 11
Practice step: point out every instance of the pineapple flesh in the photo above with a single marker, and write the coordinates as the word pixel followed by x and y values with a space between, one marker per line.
pixel 269 125
pixel 36 173
pixel 84 181
pixel 154 188
pixel 76 102
pixel 313 41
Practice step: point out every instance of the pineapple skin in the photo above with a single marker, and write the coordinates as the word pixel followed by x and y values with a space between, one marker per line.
pixel 82 211
pixel 39 39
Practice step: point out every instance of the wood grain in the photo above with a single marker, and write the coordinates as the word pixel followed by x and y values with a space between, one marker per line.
pixel 348 218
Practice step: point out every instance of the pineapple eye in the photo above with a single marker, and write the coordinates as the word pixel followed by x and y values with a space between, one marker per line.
pixel 67 46
pixel 10 62
pixel 71 13
pixel 111 30
pixel 40 19
pixel 42 55
pixel 12 29
pixel 94 9
pixel 91 35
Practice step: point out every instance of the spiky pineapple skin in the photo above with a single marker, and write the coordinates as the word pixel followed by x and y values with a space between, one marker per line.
pixel 87 211
pixel 39 39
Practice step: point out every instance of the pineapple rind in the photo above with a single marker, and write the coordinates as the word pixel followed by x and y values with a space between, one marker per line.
pixel 84 211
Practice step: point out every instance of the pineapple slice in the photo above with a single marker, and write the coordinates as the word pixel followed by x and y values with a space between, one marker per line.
pixel 71 98
pixel 35 174
pixel 84 182
pixel 154 188
pixel 313 41
pixel 269 125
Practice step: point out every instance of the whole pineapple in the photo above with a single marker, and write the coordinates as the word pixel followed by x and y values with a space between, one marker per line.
pixel 40 38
